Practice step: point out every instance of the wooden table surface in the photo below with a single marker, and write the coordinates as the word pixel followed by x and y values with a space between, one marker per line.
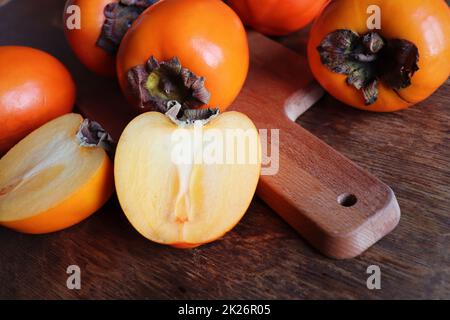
pixel 263 257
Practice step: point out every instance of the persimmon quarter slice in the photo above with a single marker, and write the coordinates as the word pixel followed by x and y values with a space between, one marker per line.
pixel 185 203
pixel 55 177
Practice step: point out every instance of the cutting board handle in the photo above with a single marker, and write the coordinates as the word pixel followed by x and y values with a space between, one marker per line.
pixel 337 206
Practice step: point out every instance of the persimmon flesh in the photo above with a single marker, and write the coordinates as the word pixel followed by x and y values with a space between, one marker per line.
pixel 183 204
pixel 52 179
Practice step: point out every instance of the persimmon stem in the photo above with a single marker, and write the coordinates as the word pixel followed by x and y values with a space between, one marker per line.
pixel 190 116
pixel 364 57
pixel 370 59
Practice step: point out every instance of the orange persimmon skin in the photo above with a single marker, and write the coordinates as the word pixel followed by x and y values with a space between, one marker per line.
pixel 83 40
pixel 80 205
pixel 207 37
pixel 34 89
pixel 277 17
pixel 426 23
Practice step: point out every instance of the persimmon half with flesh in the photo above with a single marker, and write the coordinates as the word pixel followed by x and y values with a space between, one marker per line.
pixel 56 176
pixel 179 191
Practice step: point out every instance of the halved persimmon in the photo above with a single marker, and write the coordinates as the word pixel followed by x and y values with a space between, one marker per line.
pixel 56 176
pixel 186 181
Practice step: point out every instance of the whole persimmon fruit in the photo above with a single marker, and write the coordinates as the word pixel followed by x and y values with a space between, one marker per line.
pixel 381 55
pixel 56 176
pixel 194 52
pixel 277 17
pixel 94 29
pixel 34 88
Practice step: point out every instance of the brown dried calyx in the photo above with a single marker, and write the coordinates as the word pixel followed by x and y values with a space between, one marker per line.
pixel 118 19
pixel 91 134
pixel 156 84
pixel 368 59
pixel 190 116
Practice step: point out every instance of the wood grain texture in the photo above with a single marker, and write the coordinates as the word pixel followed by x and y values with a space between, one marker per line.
pixel 262 257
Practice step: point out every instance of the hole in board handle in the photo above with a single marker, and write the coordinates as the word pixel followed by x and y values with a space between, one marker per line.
pixel 347 200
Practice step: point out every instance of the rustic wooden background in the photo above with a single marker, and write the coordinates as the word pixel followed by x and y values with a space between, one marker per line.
pixel 262 257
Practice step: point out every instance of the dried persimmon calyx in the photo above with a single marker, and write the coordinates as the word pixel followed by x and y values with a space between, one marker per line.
pixel 190 116
pixel 370 59
pixel 118 19
pixel 91 134
pixel 156 83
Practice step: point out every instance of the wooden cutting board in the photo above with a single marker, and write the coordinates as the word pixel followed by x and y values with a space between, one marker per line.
pixel 334 204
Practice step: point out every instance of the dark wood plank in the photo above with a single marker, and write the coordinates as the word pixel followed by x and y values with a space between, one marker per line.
pixel 263 257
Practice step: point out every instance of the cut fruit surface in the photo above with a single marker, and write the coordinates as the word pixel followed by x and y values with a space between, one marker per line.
pixel 174 182
pixel 49 181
